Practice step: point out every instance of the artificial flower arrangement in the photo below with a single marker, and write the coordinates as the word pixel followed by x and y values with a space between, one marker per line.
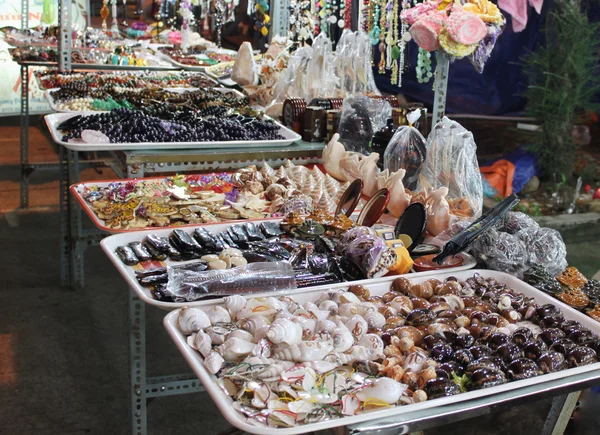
pixel 468 29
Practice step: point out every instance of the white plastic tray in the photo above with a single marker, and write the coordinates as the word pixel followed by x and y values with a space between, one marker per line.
pixel 224 403
pixel 110 244
pixel 53 120
pixel 53 106
pixel 197 68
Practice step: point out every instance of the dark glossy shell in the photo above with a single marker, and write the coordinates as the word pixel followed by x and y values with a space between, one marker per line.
pixel 464 341
pixel 547 310
pixel 440 387
pixel 441 352
pixel 489 362
pixel 522 336
pixel 487 377
pixel 361 291
pixel 522 368
pixel 368 367
pixel 550 335
pixel 581 356
pixel 551 362
pixel 570 325
pixel 419 317
pixel 595 344
pixel 581 336
pixel 509 352
pixel 463 356
pixel 496 340
pixel 401 285
pixel 533 349
pixel 562 345
pixel 431 340
pixel 552 322
pixel 480 351
pixel 448 368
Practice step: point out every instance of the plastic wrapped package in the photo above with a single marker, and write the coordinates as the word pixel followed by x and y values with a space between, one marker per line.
pixel 451 161
pixel 545 247
pixel 455 228
pixel 361 65
pixel 186 285
pixel 369 251
pixel 343 57
pixel 507 254
pixel 291 83
pixel 406 150
pixel 321 80
pixel 516 221
pixel 361 118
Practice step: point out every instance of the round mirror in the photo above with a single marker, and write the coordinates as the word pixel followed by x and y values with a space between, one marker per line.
pixel 373 210
pixel 412 222
pixel 350 198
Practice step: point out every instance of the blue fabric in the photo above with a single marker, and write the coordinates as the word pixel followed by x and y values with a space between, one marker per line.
pixel 494 92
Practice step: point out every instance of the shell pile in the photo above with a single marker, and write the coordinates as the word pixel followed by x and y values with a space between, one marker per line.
pixel 291 186
pixel 286 363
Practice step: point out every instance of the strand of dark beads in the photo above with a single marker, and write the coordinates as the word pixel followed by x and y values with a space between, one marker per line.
pixel 131 126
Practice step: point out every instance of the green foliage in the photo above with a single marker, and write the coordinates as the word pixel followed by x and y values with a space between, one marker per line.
pixel 563 80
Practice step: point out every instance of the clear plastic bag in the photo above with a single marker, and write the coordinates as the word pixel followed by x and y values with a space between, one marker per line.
pixel 545 247
pixel 501 251
pixel 361 118
pixel 406 150
pixel 191 285
pixel 515 221
pixel 451 161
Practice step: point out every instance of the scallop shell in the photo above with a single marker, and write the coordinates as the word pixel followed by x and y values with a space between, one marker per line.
pixel 213 362
pixel 285 331
pixel 235 349
pixel 192 320
pixel 218 314
pixel 384 389
pixel 201 342
pixel 342 338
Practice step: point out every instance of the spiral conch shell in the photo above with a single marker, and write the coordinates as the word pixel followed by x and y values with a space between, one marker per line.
pixel 342 338
pixel 234 349
pixel 200 341
pixel 305 351
pixel 192 320
pixel 218 314
pixel 385 389
pixel 234 304
pixel 213 362
pixel 285 331
pixel 254 324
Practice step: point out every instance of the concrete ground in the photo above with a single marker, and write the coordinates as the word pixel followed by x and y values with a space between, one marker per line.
pixel 64 354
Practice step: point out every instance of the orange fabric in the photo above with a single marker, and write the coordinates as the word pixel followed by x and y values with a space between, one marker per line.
pixel 500 175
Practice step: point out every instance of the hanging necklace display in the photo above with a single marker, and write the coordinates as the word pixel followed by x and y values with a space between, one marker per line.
pixel 104 12
pixel 187 16
pixel 423 68
pixel 262 19
pixel 375 30
pixel 300 29
pixel 220 10
pixel 384 29
pixel 114 28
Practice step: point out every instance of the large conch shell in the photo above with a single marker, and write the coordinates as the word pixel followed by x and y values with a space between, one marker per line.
pixel 332 155
pixel 368 173
pixel 192 320
pixel 244 68
pixel 438 211
pixel 285 331
pixel 399 198
pixel 350 165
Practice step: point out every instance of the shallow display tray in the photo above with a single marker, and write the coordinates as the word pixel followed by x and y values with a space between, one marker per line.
pixel 44 88
pixel 110 244
pixel 101 66
pixel 53 106
pixel 197 68
pixel 77 190
pixel 53 120
pixel 224 402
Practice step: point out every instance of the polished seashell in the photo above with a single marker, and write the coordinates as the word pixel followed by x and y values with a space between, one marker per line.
pixel 325 326
pixel 346 297
pixel 213 362
pixel 372 341
pixel 305 351
pixel 321 366
pixel 217 335
pixel 551 361
pixel 357 326
pixel 285 331
pixel 384 389
pixel 522 368
pixel 342 338
pixel 308 326
pixel 375 319
pixel 348 309
pixel 402 304
pixel 201 342
pixel 350 404
pixel 234 349
pixel 330 306
pixel 487 377
pixel 415 361
pixel 192 320
pixel 254 324
pixel 355 353
pixel 234 304
pixel 581 356
pixel 261 395
pixel 241 334
pixel 218 314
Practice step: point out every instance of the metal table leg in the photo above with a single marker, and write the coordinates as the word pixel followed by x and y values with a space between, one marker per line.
pixel 24 139
pixel 560 413
pixel 65 219
pixel 137 363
